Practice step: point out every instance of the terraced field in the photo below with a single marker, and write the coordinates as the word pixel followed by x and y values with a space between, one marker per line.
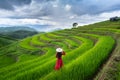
pixel 87 49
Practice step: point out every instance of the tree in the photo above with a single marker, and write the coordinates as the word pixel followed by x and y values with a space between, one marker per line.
pixel 75 25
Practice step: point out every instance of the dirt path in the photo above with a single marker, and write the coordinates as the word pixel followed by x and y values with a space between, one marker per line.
pixel 104 73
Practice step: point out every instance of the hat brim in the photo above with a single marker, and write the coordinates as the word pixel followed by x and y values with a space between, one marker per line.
pixel 59 50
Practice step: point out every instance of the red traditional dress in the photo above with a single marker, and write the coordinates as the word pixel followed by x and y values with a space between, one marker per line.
pixel 59 62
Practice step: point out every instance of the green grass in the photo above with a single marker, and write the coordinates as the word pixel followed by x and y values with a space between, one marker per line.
pixel 36 41
pixel 86 65
pixel 44 38
pixel 6 60
pixel 86 49
pixel 5 41
pixel 26 43
pixel 36 71
pixel 36 60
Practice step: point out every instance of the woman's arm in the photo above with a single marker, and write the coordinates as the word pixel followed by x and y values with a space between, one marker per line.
pixel 63 53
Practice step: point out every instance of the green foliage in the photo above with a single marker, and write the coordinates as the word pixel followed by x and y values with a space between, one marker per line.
pixel 26 44
pixel 21 34
pixel 36 41
pixel 15 28
pixel 33 58
pixel 85 65
pixel 4 42
pixel 6 60
pixel 17 32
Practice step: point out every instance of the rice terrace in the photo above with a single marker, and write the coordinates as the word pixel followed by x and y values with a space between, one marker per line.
pixel 92 53
pixel 60 40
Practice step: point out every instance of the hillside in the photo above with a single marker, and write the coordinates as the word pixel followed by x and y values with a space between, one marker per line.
pixel 17 32
pixel 88 52
pixel 20 34
pixel 4 40
pixel 15 28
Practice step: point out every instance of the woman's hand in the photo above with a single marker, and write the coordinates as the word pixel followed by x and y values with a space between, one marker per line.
pixel 63 53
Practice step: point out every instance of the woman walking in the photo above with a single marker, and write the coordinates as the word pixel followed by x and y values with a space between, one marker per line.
pixel 59 62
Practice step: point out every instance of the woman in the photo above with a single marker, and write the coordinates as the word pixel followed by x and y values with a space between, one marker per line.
pixel 59 62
